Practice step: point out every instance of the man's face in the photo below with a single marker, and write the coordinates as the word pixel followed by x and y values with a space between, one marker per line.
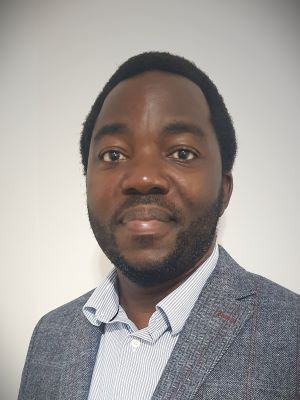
pixel 155 188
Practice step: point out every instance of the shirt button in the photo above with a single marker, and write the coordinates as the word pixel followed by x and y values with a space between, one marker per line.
pixel 135 344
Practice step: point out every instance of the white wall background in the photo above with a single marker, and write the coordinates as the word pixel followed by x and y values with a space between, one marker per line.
pixel 55 57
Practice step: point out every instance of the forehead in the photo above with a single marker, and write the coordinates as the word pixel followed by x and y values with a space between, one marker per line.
pixel 159 94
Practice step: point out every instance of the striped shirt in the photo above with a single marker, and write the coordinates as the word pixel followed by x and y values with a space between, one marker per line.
pixel 130 362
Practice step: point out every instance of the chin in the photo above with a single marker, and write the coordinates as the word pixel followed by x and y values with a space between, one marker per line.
pixel 146 261
pixel 149 271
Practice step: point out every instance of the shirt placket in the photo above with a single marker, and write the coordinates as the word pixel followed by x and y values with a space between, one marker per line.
pixel 127 371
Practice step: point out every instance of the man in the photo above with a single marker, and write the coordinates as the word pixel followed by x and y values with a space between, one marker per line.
pixel 177 318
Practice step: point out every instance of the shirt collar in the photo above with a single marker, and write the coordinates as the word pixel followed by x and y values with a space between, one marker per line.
pixel 103 304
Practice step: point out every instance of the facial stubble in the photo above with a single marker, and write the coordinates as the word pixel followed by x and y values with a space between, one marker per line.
pixel 191 244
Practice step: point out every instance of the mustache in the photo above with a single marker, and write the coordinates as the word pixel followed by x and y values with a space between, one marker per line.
pixel 150 199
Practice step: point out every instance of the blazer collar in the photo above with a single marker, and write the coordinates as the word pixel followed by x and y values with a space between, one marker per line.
pixel 81 352
pixel 224 305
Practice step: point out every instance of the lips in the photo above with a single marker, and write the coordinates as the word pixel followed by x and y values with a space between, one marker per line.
pixel 146 220
pixel 145 214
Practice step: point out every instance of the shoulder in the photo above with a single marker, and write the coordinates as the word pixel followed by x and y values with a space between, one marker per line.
pixel 269 294
pixel 53 331
pixel 269 291
pixel 53 341
pixel 64 315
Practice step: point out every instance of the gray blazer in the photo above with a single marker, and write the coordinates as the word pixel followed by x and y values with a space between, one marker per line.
pixel 241 341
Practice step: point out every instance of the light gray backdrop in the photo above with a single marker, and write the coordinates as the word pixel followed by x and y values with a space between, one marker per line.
pixel 55 57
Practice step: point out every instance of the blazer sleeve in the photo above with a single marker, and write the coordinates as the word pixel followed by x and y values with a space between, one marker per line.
pixel 26 370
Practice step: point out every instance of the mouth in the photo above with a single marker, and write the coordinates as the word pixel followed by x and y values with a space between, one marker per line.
pixel 143 213
pixel 146 220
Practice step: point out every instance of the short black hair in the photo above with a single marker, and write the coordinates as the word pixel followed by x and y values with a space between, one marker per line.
pixel 174 64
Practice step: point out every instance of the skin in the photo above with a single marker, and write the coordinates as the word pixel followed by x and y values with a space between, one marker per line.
pixel 136 150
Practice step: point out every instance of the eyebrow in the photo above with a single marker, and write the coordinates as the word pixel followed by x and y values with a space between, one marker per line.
pixel 175 127
pixel 110 129
pixel 178 127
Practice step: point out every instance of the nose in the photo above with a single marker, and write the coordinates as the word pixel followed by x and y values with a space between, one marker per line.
pixel 145 177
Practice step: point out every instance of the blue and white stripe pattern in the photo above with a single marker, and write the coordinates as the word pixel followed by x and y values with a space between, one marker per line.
pixel 130 361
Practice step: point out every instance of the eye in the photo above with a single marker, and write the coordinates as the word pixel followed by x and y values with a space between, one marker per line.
pixel 183 155
pixel 112 156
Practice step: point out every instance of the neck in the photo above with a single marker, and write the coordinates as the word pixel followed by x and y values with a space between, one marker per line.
pixel 139 302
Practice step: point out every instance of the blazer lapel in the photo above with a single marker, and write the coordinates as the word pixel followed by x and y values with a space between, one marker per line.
pixel 225 304
pixel 82 348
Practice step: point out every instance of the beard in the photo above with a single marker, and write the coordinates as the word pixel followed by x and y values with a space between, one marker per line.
pixel 190 246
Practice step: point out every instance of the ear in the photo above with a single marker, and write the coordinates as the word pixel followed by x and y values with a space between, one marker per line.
pixel 227 187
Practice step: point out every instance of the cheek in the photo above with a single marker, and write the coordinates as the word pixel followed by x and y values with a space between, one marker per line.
pixel 199 189
pixel 100 195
